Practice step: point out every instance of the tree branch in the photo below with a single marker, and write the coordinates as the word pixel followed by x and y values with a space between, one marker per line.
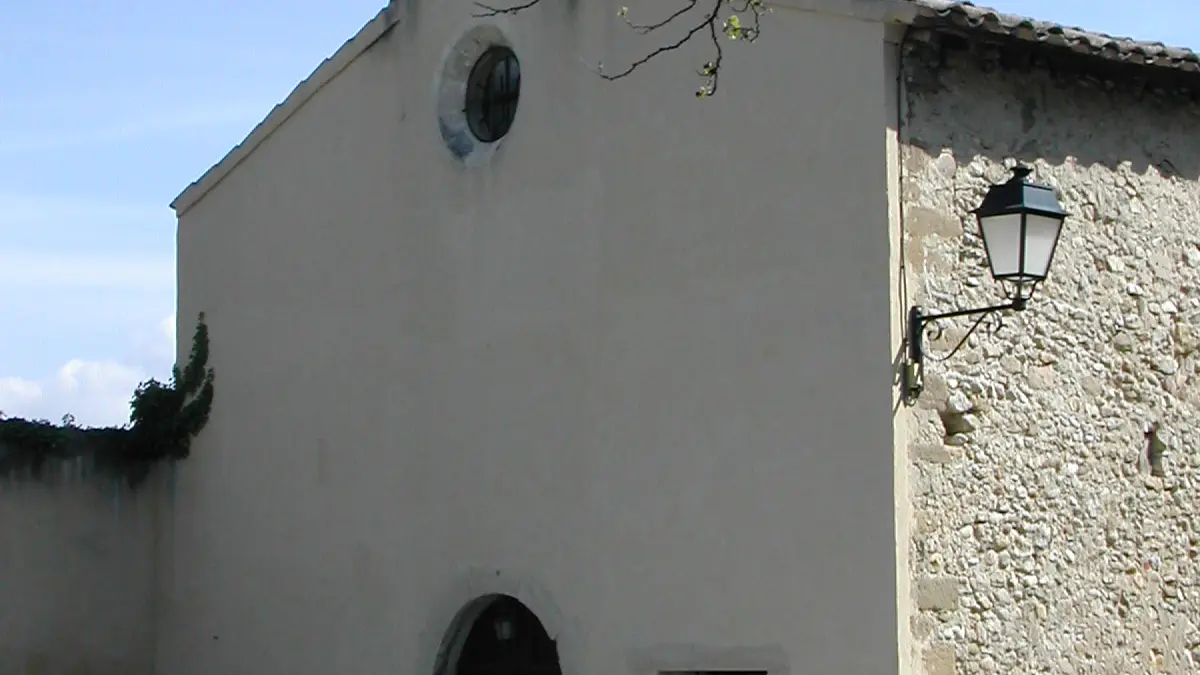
pixel 487 11
pixel 731 28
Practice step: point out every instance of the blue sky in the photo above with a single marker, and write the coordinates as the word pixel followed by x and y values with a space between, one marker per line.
pixel 109 109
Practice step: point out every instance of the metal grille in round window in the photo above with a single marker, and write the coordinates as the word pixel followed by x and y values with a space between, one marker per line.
pixel 492 92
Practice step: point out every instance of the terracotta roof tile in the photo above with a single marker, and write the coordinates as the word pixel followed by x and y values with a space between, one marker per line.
pixel 967 18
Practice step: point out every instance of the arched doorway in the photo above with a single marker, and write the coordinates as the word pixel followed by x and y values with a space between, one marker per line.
pixel 498 635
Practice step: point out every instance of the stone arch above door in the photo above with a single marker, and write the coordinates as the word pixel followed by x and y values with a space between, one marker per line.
pixel 497 635
pixel 468 595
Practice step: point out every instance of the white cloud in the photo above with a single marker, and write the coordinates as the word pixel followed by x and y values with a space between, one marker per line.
pixel 26 269
pixel 96 393
pixel 18 389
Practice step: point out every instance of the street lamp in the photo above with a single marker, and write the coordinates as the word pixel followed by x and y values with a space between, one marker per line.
pixel 1020 223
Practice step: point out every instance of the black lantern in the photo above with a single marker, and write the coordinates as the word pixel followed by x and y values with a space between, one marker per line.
pixel 1020 223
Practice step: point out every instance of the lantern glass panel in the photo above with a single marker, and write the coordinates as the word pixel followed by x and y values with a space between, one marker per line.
pixel 1002 238
pixel 1041 234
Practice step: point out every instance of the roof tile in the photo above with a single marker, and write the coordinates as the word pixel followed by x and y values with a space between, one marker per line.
pixel 969 18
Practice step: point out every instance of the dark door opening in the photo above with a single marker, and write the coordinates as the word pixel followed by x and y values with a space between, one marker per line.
pixel 508 639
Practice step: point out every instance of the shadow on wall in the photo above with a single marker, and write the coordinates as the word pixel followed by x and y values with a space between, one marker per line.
pixel 1032 114
pixel 78 567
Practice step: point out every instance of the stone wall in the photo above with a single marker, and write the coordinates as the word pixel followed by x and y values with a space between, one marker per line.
pixel 77 575
pixel 1050 534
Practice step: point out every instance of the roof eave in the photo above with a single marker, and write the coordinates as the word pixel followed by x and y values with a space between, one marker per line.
pixel 966 19
pixel 370 33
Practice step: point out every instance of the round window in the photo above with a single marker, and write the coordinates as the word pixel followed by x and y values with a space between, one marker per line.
pixel 492 92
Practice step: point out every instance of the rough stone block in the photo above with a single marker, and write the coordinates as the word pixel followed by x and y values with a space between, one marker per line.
pixel 924 221
pixel 937 593
pixel 939 660
pixel 922 626
pixel 935 394
pixel 934 454
pixel 1043 377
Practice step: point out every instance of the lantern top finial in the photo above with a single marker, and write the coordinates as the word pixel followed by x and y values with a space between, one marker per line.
pixel 1018 195
pixel 1021 172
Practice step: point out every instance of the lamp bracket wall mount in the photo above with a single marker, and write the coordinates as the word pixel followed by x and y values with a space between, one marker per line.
pixel 913 372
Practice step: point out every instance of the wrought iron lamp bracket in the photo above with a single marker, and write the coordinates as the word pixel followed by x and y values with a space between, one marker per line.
pixel 913 372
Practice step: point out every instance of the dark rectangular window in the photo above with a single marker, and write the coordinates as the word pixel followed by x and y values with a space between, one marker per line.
pixel 712 672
